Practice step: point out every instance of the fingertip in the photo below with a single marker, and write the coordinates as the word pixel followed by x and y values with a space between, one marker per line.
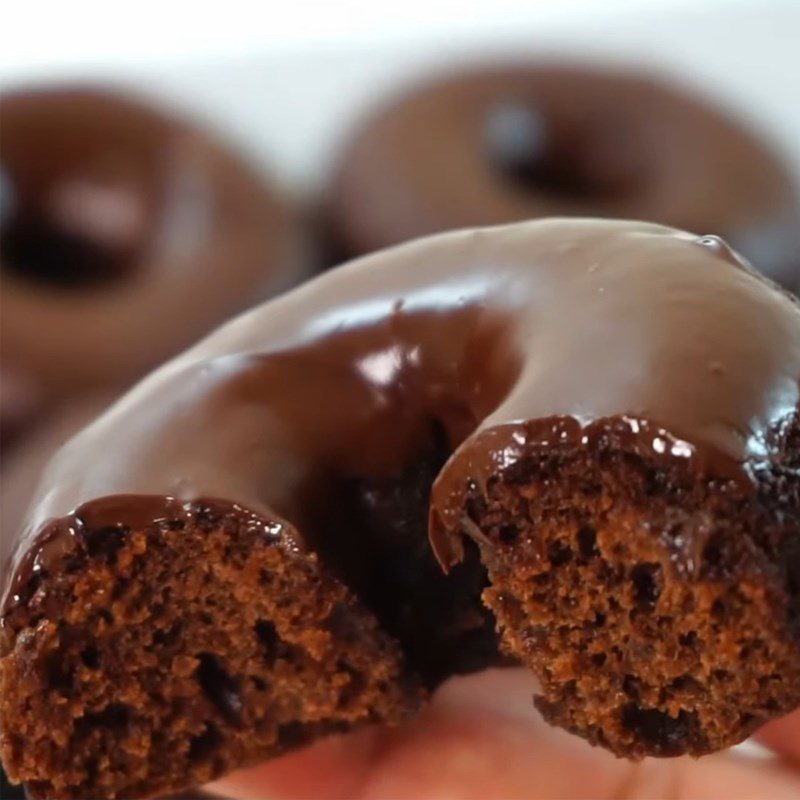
pixel 783 736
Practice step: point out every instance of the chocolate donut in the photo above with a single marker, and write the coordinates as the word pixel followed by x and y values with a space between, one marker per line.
pixel 501 145
pixel 593 425
pixel 22 466
pixel 126 234
pixel 21 469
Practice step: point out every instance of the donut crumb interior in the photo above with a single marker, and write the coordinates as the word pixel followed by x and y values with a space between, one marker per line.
pixel 182 651
pixel 640 645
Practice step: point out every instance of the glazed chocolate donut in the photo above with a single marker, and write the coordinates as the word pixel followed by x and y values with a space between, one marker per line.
pixel 20 403
pixel 596 424
pixel 509 144
pixel 126 234
pixel 22 466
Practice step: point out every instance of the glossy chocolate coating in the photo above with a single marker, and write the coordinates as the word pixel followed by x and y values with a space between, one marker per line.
pixel 22 465
pixel 595 322
pixel 550 328
pixel 494 145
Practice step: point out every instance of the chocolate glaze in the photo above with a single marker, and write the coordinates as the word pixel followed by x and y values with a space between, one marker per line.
pixel 499 336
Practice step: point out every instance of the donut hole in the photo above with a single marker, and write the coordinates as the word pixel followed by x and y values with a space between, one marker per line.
pixel 83 178
pixel 560 176
pixel 42 254
pixel 72 235
pixel 374 532
pixel 534 154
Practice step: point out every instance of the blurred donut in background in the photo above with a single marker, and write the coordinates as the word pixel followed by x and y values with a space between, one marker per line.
pixel 126 234
pixel 497 145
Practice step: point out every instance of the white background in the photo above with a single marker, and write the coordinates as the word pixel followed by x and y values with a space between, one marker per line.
pixel 286 79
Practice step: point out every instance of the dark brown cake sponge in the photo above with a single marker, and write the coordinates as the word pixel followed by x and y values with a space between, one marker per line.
pixel 164 655
pixel 661 614
pixel 597 418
